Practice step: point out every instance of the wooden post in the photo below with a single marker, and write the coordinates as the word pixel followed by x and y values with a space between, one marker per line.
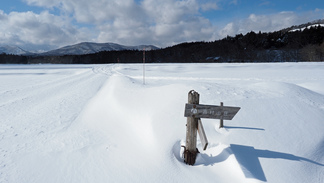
pixel 202 135
pixel 194 111
pixel 221 124
pixel 144 66
pixel 190 152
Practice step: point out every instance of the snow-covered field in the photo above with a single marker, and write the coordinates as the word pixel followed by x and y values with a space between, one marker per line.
pixel 99 123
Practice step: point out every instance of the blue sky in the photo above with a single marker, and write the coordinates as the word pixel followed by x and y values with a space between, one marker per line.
pixel 48 24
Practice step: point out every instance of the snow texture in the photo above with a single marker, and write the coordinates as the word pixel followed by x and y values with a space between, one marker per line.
pixel 99 123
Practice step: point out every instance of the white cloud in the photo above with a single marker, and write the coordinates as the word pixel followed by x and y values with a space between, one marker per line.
pixel 266 23
pixel 159 22
pixel 2 15
pixel 93 12
pixel 229 29
pixel 20 28
pixel 170 11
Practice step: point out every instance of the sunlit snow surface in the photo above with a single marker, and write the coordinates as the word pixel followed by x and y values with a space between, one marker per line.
pixel 99 123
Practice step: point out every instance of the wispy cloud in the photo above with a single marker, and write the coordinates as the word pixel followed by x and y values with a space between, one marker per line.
pixel 209 6
pixel 264 3
pixel 235 2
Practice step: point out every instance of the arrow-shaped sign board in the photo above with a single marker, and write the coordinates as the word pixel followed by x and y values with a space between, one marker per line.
pixel 210 111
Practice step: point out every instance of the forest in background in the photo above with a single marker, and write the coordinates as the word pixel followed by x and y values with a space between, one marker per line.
pixel 294 44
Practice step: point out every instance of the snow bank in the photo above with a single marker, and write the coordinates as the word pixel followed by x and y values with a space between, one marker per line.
pixel 99 123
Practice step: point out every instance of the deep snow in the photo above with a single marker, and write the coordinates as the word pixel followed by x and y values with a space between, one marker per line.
pixel 99 123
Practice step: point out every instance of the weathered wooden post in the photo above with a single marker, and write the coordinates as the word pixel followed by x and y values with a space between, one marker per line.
pixel 194 111
pixel 191 133
pixel 202 135
pixel 221 124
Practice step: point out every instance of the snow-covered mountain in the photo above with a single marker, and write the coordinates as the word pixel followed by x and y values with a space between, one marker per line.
pixel 308 25
pixel 89 47
pixel 15 50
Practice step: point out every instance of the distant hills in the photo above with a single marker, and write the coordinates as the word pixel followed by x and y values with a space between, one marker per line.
pixel 14 50
pixel 77 49
pixel 301 27
pixel 89 47
pixel 297 43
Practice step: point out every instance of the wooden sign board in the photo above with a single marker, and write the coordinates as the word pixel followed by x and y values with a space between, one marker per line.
pixel 210 111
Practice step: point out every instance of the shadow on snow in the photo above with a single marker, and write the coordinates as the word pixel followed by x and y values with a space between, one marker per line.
pixel 243 128
pixel 248 158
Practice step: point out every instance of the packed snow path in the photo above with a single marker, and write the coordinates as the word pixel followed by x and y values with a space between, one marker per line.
pixel 99 123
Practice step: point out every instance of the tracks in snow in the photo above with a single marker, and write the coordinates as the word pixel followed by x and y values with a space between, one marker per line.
pixel 34 108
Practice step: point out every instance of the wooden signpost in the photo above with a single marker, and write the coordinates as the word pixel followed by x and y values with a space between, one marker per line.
pixel 210 111
pixel 194 111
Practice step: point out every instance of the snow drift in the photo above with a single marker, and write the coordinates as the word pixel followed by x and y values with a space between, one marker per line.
pixel 99 123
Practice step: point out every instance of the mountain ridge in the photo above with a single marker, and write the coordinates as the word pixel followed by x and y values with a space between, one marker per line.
pixel 91 47
pixel 76 49
pixel 14 50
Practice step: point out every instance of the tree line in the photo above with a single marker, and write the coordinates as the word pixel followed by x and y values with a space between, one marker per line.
pixel 286 45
